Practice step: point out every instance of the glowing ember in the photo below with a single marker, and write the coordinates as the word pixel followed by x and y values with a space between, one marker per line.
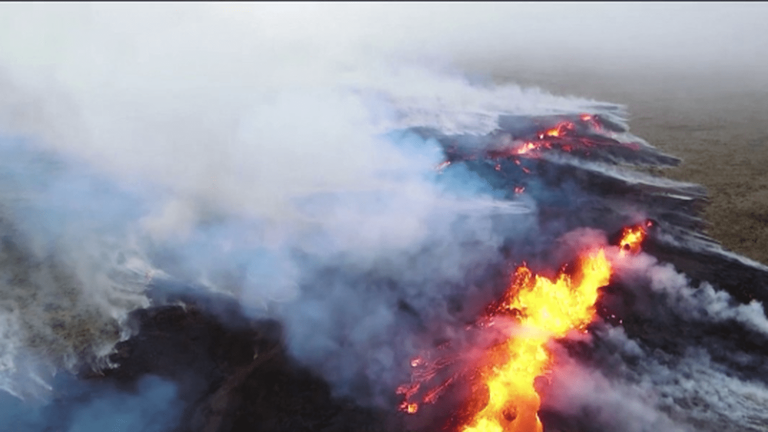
pixel 545 309
pixel 577 134
pixel 525 148
pixel 559 130
pixel 565 135
pixel 632 238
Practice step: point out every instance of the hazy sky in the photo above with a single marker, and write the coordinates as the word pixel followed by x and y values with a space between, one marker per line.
pixel 701 35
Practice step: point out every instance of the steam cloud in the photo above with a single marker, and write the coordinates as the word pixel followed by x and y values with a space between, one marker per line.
pixel 233 150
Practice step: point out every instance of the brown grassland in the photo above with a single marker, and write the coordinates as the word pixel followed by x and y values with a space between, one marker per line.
pixel 716 123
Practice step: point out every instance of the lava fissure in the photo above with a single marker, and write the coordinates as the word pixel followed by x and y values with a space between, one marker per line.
pixel 504 396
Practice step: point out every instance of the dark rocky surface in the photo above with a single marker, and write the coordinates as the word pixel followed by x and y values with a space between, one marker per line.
pixel 233 377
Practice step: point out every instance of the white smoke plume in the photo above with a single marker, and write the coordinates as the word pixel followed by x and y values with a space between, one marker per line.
pixel 250 149
pixel 641 385
pixel 195 143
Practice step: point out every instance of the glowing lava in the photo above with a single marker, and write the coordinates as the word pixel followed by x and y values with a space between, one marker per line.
pixel 552 137
pixel 558 130
pixel 545 309
pixel 505 398
pixel 632 238
pixel 525 148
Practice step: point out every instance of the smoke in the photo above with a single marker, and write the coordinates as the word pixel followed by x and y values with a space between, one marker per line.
pixel 694 303
pixel 70 269
pixel 194 145
pixel 286 156
pixel 78 407
pixel 692 366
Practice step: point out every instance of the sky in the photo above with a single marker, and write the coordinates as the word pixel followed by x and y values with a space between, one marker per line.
pixel 702 35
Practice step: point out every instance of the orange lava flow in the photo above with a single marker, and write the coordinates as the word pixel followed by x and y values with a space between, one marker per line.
pixel 546 309
pixel 631 239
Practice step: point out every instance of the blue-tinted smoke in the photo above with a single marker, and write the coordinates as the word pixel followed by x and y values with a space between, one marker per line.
pixel 76 406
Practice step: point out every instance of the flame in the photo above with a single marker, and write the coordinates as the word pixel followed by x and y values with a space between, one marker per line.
pixel 546 309
pixel 632 238
pixel 559 130
pixel 526 147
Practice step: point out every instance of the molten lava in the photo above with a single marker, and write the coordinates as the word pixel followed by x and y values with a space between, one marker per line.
pixel 558 130
pixel 544 309
pixel 565 135
pixel 632 238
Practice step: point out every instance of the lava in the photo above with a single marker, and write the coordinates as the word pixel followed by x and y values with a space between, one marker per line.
pixel 564 135
pixel 632 238
pixel 558 130
pixel 527 147
pixel 578 135
pixel 545 309
pixel 504 397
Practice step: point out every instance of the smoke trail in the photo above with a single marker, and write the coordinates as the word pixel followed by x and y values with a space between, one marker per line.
pixel 684 359
pixel 297 176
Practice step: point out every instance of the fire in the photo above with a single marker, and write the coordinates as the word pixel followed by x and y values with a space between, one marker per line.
pixel 632 238
pixel 575 134
pixel 559 130
pixel 564 136
pixel 525 148
pixel 545 309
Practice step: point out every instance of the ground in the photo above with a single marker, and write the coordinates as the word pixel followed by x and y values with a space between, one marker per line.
pixel 716 122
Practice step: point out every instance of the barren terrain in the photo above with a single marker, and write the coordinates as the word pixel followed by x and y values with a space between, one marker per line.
pixel 716 122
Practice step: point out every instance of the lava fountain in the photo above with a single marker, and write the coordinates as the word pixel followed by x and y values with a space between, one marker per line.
pixel 543 309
